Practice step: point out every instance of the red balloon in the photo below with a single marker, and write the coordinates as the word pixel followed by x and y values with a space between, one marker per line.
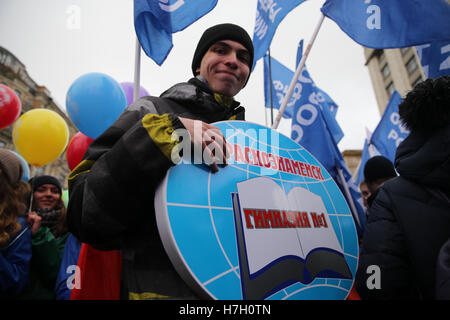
pixel 76 149
pixel 10 106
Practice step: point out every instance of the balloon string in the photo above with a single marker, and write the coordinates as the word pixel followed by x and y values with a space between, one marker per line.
pixel 31 185
pixel 31 193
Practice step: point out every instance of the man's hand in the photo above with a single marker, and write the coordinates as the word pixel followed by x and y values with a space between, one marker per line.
pixel 210 138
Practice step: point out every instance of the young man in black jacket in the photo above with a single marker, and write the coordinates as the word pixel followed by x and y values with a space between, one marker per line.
pixel 112 189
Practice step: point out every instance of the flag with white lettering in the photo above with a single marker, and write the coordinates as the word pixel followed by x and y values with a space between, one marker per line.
pixel 435 58
pixel 391 24
pixel 310 130
pixel 275 92
pixel 333 107
pixel 314 128
pixel 390 131
pixel 281 77
pixel 364 157
pixel 327 105
pixel 156 20
pixel 358 211
pixel 269 14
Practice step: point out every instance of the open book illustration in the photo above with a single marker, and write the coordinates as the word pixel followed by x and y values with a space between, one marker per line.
pixel 283 239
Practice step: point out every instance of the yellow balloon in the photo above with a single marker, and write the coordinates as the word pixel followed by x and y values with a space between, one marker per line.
pixel 40 136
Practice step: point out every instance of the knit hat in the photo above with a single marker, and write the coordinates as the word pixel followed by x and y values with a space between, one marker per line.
pixel 11 166
pixel 378 167
pixel 40 180
pixel 225 31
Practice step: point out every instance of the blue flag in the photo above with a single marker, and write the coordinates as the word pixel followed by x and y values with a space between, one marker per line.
pixel 364 157
pixel 314 127
pixel 435 58
pixel 390 131
pixel 333 107
pixel 155 21
pixel 268 16
pixel 391 24
pixel 310 130
pixel 281 77
pixel 326 104
pixel 359 212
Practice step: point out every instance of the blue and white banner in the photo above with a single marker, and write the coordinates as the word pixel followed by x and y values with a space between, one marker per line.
pixel 364 157
pixel 391 24
pixel 328 106
pixel 281 78
pixel 269 14
pixel 156 20
pixel 323 96
pixel 355 195
pixel 309 128
pixel 435 58
pixel 272 224
pixel 390 132
pixel 314 126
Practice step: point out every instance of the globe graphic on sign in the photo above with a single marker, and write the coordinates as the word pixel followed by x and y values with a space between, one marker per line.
pixel 203 236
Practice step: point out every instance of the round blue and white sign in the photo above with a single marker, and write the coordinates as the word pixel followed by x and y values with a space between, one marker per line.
pixel 272 224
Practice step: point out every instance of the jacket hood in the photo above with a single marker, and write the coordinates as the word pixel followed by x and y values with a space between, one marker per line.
pixel 426 158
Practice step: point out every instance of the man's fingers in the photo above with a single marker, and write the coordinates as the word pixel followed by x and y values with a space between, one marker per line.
pixel 217 145
pixel 212 141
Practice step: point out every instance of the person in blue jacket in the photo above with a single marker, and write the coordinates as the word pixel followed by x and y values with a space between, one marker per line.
pixel 15 236
pixel 66 279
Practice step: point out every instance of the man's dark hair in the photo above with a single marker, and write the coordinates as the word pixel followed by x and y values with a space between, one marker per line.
pixel 427 107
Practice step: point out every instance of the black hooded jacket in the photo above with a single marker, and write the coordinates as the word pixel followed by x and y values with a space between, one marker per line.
pixel 112 190
pixel 409 222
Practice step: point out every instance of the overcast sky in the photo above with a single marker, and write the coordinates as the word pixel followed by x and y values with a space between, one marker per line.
pixel 56 50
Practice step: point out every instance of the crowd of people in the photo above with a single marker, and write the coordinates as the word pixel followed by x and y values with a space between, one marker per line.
pixel 408 202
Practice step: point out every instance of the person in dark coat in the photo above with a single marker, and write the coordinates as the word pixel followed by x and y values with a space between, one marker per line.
pixel 443 273
pixel 409 220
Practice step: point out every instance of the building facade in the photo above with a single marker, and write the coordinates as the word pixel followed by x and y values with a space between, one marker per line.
pixel 389 70
pixel 392 69
pixel 13 74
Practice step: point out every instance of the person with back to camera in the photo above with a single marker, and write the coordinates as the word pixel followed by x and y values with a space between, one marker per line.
pixel 49 233
pixel 15 236
pixel 409 220
pixel 112 190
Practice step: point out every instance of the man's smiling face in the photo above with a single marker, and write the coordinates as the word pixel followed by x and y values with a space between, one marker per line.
pixel 226 67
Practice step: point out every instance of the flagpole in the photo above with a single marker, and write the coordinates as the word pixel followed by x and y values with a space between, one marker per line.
pixel 348 195
pixel 420 64
pixel 270 80
pixel 297 73
pixel 137 70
